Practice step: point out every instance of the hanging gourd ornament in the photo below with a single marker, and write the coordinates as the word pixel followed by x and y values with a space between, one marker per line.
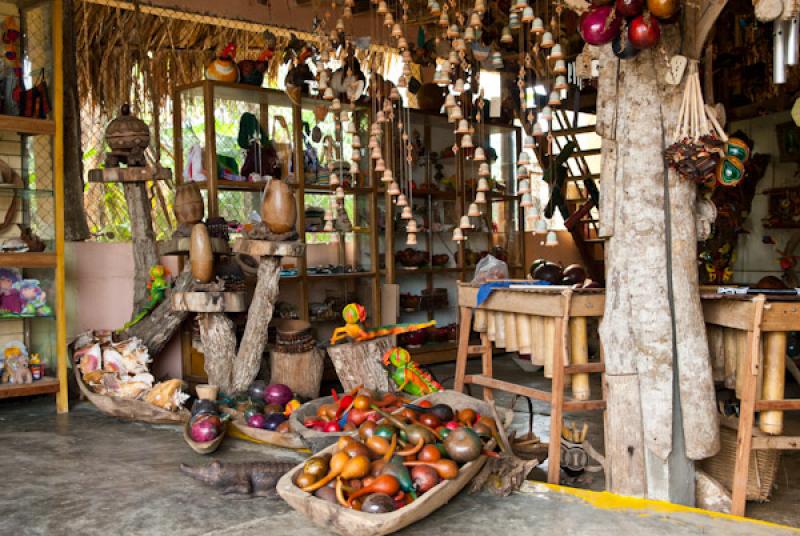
pixel 622 47
pixel 736 148
pixel 599 25
pixel 663 9
pixel 629 8
pixel 730 171
pixel 644 32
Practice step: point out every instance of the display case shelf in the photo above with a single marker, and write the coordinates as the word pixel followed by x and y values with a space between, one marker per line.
pixel 27 126
pixel 43 386
pixel 28 260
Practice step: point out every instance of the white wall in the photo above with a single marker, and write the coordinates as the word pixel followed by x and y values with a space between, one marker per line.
pixel 754 259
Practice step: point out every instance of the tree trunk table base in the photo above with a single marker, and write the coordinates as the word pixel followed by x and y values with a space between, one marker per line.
pixel 266 248
pixel 359 363
pixel 302 372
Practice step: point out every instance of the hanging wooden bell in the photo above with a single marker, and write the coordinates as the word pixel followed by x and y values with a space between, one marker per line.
pixel 547 40
pixel 411 239
pixel 473 210
pixel 465 223
pixel 524 187
pixel 483 185
pixel 555 99
pixel 394 188
pixel 560 83
pixel 506 38
pixel 522 172
pixel 388 20
pixel 475 20
pixel 435 9
pixel 513 21
pixel 466 142
pixel 560 67
pixel 406 213
pixel 552 239
pixel 380 165
pixel 527 15
pixel 356 143
pixel 537 27
pixel 397 31
pixel 480 155
pixel 387 176
pixel 483 170
pixel 402 201
pixel 411 227
pixel 547 114
pixel 480 197
pixel 458 235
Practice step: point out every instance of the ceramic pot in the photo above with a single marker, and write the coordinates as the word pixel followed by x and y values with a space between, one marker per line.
pixel 278 210
pixel 201 255
pixel 189 206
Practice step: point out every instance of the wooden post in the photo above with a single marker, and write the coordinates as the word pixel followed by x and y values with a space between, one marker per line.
pixel 774 374
pixel 558 360
pixel 218 338
pixel 744 438
pixel 259 315
pixel 549 345
pixel 463 344
pixel 730 349
pixel 145 252
pixel 653 326
pixel 579 354
pixel 486 364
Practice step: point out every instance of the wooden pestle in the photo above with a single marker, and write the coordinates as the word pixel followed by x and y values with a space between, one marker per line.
pixel 774 376
pixel 579 354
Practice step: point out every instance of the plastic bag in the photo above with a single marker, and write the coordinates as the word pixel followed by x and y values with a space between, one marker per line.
pixel 490 268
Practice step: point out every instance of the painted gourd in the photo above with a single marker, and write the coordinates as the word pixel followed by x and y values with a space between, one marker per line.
pixel 629 8
pixel 599 25
pixel 200 254
pixel 644 32
pixel 189 206
pixel 730 171
pixel 663 9
pixel 278 210
pixel 736 148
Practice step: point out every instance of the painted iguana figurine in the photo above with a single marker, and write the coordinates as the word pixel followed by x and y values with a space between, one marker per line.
pixel 407 374
pixel 157 286
pixel 355 313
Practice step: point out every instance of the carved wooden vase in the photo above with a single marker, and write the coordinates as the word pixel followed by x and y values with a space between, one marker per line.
pixel 278 209
pixel 201 255
pixel 189 206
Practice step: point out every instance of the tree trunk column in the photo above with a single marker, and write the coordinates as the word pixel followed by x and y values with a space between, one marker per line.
pixel 653 332
pixel 145 253
pixel 218 337
pixel 259 316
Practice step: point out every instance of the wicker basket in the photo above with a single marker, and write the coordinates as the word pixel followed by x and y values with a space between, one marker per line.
pixel 761 474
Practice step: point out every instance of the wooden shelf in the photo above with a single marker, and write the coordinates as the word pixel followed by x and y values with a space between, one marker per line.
pixel 28 260
pixel 243 186
pixel 46 385
pixel 339 276
pixel 27 125
pixel 130 174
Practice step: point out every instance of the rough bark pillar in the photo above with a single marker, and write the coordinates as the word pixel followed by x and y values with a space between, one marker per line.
pixel 75 227
pixel 218 337
pixel 145 254
pixel 653 332
pixel 259 316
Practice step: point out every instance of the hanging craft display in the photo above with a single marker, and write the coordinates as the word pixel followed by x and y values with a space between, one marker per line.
pixel 702 152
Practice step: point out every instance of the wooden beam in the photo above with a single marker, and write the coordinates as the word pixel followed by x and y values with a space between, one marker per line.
pixel 46 385
pixel 777 443
pixel 777 405
pixel 493 383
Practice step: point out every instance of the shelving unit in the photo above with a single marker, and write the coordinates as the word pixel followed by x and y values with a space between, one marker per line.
pixel 33 148
pixel 438 208
pixel 234 200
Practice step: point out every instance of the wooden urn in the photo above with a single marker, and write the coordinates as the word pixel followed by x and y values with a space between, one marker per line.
pixel 278 209
pixel 189 207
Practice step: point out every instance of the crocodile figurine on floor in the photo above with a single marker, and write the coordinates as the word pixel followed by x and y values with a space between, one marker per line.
pixel 246 478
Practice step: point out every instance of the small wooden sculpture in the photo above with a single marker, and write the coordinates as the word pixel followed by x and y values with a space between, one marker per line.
pixel 129 138
pixel 224 68
pixel 256 478
pixel 407 374
pixel 201 254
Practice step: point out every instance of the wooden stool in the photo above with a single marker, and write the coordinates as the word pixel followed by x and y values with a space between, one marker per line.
pixel 567 317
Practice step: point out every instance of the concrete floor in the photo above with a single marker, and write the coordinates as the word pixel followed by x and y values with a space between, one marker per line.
pixel 85 473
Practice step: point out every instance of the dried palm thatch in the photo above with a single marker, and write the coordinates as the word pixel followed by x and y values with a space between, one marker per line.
pixel 132 52
pixel 129 55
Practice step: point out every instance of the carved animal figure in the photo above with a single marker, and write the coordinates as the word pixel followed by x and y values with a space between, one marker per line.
pixel 407 374
pixel 246 478
pixel 354 314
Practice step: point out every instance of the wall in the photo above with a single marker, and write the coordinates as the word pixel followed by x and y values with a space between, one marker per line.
pixel 754 259
pixel 99 294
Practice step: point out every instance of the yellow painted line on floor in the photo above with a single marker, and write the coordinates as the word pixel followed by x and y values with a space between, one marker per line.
pixel 611 501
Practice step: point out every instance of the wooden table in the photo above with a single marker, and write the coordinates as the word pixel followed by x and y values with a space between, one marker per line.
pixel 550 324
pixel 748 322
